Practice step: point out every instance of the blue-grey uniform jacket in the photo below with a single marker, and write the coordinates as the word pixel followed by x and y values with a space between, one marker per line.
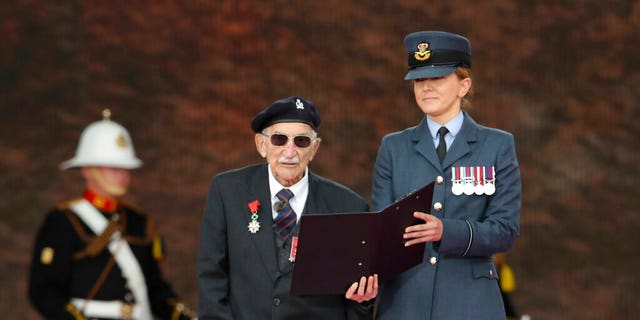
pixel 457 279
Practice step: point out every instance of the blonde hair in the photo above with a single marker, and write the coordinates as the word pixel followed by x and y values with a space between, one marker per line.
pixel 464 72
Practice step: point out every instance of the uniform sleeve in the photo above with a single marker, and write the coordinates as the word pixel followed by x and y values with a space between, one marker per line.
pixel 165 303
pixel 213 264
pixel 382 178
pixel 49 276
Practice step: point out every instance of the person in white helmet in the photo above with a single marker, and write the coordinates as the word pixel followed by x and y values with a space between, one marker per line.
pixel 97 257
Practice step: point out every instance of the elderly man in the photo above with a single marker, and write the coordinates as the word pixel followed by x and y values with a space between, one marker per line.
pixel 249 230
pixel 97 257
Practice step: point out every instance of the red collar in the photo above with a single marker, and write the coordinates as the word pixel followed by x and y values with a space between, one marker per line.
pixel 100 202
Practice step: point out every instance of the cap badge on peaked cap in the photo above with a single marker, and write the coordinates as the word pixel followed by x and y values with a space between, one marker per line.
pixel 433 54
pixel 422 54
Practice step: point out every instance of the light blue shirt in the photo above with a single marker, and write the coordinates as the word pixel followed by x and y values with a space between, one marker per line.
pixel 454 125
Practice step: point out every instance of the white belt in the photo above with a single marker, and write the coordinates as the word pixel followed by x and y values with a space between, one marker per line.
pixel 106 309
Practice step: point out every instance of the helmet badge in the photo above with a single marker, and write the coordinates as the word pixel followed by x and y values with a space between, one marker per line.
pixel 121 141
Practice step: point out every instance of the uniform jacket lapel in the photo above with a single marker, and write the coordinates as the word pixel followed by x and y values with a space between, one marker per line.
pixel 424 146
pixel 463 143
pixel 264 239
pixel 460 147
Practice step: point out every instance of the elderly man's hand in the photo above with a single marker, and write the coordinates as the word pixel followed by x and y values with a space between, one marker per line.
pixel 364 290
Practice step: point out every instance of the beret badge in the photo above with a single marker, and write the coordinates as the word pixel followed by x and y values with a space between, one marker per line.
pixel 422 54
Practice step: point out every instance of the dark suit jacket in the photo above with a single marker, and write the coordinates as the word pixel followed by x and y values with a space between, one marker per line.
pixel 238 273
pixel 457 279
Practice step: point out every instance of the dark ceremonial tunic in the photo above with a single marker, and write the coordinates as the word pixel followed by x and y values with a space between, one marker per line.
pixel 67 270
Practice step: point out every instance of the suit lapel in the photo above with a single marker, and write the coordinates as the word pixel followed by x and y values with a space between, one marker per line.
pixel 310 204
pixel 313 205
pixel 264 239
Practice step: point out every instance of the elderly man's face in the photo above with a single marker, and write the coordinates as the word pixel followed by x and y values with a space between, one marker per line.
pixel 289 161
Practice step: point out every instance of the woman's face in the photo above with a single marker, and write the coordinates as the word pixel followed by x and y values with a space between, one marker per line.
pixel 440 98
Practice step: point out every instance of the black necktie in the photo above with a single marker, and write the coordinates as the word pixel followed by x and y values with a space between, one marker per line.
pixel 286 219
pixel 442 145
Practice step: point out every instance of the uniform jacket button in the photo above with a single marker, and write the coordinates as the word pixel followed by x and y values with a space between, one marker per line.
pixel 433 260
pixel 439 179
pixel 437 206
pixel 276 302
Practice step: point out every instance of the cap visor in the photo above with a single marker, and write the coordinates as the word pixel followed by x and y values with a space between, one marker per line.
pixel 429 72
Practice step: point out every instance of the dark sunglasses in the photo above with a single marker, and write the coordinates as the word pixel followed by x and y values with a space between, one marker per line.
pixel 278 139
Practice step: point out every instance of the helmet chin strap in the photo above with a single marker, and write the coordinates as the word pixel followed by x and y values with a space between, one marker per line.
pixel 110 188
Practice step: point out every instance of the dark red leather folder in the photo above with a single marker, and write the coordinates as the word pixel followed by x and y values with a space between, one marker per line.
pixel 335 250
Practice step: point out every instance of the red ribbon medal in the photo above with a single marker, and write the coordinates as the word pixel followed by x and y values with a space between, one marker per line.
pixel 294 248
pixel 254 225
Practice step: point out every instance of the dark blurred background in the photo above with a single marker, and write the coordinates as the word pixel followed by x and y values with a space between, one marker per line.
pixel 185 77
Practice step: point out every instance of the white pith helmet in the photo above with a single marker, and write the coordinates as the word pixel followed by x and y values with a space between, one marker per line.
pixel 104 144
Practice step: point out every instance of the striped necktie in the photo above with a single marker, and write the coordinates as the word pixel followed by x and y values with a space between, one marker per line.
pixel 286 219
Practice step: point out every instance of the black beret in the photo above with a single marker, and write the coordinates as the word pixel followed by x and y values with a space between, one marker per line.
pixel 291 109
pixel 433 54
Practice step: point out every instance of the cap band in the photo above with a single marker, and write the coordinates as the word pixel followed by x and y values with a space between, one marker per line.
pixel 440 58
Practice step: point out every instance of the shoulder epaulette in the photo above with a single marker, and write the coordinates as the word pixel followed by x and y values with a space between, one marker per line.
pixel 133 207
pixel 157 248
pixel 66 204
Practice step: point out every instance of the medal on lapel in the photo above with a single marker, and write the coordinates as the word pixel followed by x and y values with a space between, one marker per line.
pixel 294 249
pixel 468 181
pixel 479 181
pixel 254 225
pixel 456 181
pixel 489 180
